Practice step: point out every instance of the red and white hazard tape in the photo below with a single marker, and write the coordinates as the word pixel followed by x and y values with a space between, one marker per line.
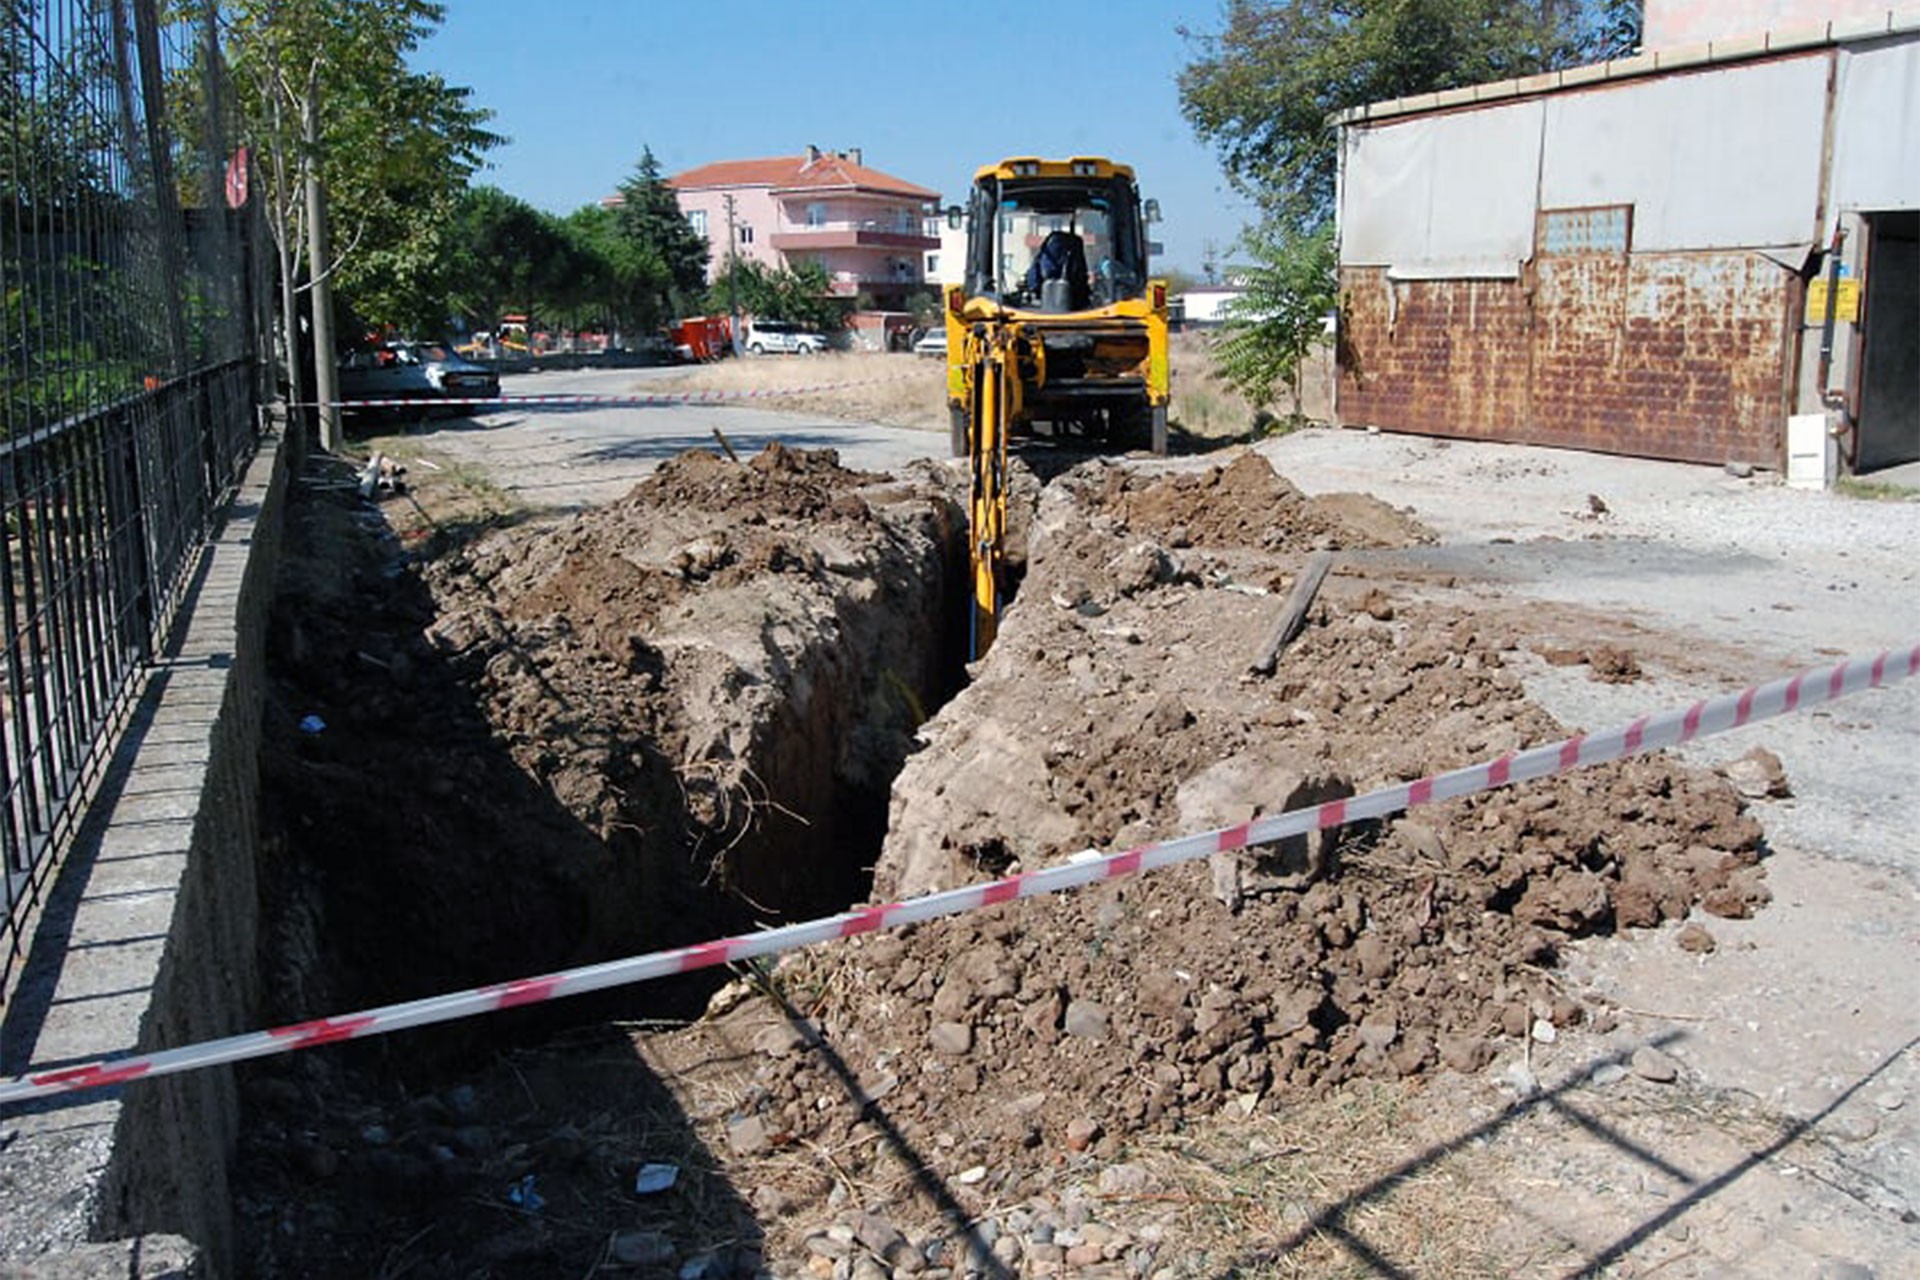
pixel 1648 733
pixel 627 402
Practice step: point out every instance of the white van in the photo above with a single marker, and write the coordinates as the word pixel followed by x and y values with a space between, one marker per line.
pixel 780 337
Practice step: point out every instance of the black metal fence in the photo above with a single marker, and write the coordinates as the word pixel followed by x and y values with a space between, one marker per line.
pixel 132 324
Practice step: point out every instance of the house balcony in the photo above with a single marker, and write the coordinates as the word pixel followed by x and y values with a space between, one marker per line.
pixel 851 284
pixel 851 235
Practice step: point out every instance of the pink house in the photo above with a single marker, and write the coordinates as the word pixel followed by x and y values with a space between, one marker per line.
pixel 863 226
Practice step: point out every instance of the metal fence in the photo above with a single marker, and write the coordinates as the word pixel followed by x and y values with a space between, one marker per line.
pixel 132 324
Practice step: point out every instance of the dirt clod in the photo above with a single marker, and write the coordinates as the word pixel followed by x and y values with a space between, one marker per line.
pixel 1695 938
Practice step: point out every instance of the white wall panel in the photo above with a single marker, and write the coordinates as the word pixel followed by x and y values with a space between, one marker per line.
pixel 1876 135
pixel 1715 160
pixel 1442 194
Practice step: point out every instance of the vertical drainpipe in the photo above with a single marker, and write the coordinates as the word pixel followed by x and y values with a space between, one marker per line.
pixel 1827 394
pixel 1836 402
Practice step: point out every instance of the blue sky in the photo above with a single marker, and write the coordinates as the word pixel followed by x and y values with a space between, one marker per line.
pixel 929 91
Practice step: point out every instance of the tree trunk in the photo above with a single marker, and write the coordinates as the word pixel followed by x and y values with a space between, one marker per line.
pixel 325 382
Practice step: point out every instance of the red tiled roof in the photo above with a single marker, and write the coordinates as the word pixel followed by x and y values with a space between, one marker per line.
pixel 797 173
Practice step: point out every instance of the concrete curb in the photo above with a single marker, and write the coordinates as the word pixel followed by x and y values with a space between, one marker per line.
pixel 147 939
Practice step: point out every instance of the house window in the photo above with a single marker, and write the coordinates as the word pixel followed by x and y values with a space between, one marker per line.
pixel 697 219
pixel 746 233
pixel 903 221
pixel 1598 229
pixel 933 264
pixel 817 214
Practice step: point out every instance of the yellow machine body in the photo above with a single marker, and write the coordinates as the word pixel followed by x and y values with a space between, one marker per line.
pixel 1057 325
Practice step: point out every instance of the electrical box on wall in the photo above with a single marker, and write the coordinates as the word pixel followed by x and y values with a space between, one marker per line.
pixel 1812 453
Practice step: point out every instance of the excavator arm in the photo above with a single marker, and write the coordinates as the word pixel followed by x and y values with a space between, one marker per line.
pixel 1000 362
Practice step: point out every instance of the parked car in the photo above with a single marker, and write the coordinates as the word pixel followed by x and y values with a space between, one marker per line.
pixel 932 343
pixel 781 337
pixel 410 371
pixel 456 377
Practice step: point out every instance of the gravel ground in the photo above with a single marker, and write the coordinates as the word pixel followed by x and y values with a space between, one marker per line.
pixel 1811 1008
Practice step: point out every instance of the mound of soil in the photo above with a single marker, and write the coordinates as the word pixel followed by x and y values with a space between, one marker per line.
pixel 1115 709
pixel 678 714
pixel 718 675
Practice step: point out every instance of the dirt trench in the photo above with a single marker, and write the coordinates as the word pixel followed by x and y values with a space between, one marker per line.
pixel 722 702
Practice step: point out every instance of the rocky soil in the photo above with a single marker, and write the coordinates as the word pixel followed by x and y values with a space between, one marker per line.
pixel 712 704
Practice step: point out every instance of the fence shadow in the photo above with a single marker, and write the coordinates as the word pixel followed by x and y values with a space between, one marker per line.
pixel 1338 1220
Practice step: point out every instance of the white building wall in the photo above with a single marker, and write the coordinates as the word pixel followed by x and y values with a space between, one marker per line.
pixel 1451 193
pixel 1876 134
pixel 1714 159
pixel 1669 24
pixel 1709 160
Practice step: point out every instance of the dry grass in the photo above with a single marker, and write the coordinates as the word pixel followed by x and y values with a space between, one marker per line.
pixel 910 391
pixel 1205 405
pixel 446 501
pixel 1319 1191
pixel 871 386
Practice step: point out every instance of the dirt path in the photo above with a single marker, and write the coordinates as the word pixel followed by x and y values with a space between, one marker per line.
pixel 1477 1043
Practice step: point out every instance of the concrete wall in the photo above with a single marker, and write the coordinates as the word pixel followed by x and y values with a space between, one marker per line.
pixel 1681 355
pixel 147 941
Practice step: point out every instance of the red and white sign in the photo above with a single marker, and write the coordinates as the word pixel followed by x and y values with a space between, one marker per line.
pixel 237 178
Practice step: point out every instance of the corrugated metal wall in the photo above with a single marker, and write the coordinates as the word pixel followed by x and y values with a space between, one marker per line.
pixel 1681 355
pixel 1612 269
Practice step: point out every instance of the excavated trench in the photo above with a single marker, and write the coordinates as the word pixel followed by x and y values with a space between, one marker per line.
pixel 668 720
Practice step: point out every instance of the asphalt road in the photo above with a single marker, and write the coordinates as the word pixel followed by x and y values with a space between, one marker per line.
pixel 556 458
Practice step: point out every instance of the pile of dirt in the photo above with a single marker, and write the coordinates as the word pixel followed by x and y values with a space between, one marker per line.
pixel 1115 709
pixel 706 693
pixel 718 675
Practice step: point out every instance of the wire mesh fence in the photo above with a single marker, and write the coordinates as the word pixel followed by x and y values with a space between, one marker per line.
pixel 132 325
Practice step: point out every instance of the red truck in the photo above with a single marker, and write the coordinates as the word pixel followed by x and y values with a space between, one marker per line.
pixel 702 338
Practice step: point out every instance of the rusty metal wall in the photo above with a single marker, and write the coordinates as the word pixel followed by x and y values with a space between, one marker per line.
pixel 1440 357
pixel 1682 356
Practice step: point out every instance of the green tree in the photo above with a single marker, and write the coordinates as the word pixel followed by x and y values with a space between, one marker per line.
pixel 799 294
pixel 1291 289
pixel 649 217
pixel 395 149
pixel 628 279
pixel 500 254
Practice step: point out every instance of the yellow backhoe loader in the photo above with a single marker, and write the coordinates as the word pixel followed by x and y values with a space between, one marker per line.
pixel 1056 330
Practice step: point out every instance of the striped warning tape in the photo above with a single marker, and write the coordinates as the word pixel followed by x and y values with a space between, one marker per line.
pixel 1648 733
pixel 586 401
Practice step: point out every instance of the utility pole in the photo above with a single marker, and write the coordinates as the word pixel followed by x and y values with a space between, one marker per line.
pixel 326 380
pixel 733 296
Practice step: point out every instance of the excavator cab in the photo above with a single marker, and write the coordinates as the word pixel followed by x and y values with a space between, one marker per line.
pixel 1060 247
